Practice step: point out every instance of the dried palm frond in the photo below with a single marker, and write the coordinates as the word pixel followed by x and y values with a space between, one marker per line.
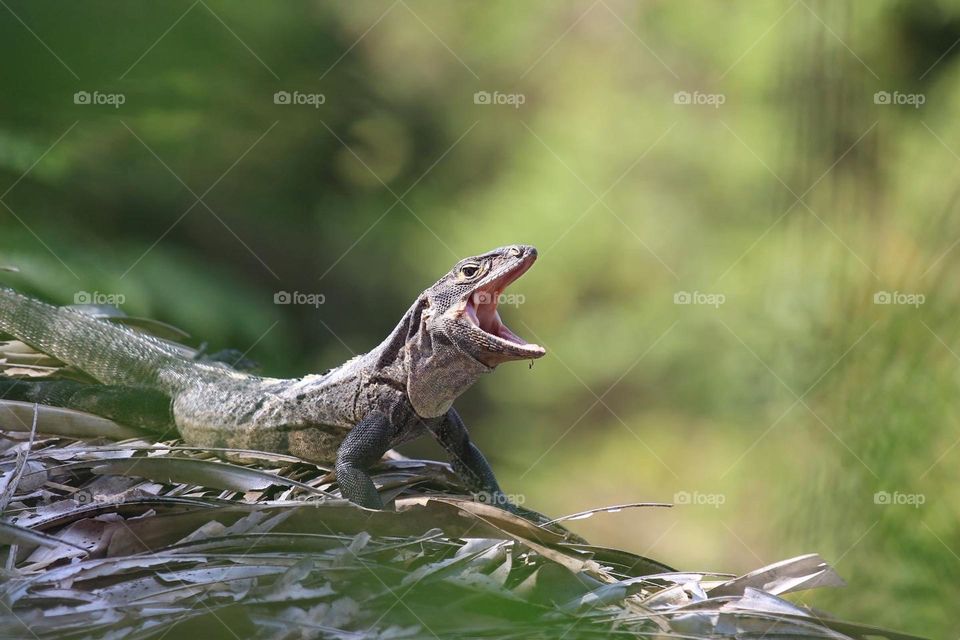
pixel 136 538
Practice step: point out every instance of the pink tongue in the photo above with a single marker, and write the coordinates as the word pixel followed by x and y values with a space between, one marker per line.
pixel 506 334
pixel 497 328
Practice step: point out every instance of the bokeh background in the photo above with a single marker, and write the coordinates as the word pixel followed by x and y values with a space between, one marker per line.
pixel 736 152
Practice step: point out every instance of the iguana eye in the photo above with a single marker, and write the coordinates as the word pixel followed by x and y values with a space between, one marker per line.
pixel 470 270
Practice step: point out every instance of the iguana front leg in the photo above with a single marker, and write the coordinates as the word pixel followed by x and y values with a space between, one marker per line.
pixel 362 448
pixel 467 460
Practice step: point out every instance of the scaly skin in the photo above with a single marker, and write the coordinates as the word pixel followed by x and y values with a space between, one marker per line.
pixel 348 417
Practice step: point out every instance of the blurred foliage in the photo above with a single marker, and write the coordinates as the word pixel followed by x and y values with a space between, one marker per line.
pixel 798 199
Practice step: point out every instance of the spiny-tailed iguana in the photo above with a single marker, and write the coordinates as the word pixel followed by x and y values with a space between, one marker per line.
pixel 349 416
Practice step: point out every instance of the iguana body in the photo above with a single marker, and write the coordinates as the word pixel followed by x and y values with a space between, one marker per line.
pixel 349 416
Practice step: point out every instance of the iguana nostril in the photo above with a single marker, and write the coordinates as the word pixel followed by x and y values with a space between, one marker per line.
pixel 516 252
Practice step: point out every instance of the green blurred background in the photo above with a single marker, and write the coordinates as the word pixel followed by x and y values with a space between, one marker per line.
pixel 786 188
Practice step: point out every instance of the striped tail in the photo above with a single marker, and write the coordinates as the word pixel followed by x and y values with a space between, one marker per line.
pixel 111 353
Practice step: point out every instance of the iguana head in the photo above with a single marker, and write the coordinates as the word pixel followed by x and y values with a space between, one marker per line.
pixel 460 334
pixel 464 305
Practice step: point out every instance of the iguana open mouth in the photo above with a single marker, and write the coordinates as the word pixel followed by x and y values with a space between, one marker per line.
pixel 481 311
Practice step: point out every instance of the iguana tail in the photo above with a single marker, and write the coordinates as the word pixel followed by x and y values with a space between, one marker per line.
pixel 111 353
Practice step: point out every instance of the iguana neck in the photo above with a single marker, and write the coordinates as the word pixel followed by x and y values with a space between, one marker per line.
pixel 427 366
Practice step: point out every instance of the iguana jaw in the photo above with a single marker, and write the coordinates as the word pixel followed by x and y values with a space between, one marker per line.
pixel 481 319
